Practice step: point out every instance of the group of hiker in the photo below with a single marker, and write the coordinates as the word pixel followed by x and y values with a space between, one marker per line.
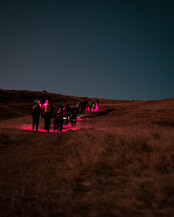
pixel 58 114
pixel 88 105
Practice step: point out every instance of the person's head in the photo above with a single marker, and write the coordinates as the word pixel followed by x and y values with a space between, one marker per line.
pixel 47 101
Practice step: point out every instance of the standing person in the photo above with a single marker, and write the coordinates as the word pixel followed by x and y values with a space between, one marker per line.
pixel 78 107
pixel 73 116
pixel 89 106
pixel 35 112
pixel 93 107
pixel 58 119
pixel 96 105
pixel 47 113
pixel 67 112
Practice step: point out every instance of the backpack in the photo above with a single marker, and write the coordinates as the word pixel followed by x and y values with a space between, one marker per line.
pixel 35 108
pixel 48 108
pixel 58 114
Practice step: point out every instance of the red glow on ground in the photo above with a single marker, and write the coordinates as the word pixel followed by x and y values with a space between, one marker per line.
pixel 28 127
pixel 66 128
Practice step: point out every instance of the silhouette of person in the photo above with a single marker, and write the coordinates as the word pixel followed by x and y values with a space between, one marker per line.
pixel 35 112
pixel 67 112
pixel 47 113
pixel 58 119
pixel 97 105
pixel 73 116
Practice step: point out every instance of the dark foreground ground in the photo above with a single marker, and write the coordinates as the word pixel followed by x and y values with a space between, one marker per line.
pixel 118 163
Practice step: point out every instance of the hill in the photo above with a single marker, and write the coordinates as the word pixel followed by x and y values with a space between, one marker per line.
pixel 117 162
pixel 17 103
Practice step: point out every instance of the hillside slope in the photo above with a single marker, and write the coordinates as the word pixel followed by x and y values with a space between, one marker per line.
pixel 118 162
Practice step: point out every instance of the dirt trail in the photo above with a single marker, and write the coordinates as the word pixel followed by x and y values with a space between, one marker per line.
pixel 84 121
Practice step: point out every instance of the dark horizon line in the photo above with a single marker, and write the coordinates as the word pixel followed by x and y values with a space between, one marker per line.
pixel 29 90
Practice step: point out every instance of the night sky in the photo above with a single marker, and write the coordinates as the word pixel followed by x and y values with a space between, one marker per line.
pixel 115 49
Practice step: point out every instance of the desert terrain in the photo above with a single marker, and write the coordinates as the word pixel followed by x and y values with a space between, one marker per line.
pixel 117 162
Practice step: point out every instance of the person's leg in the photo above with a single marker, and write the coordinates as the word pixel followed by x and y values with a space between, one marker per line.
pixel 55 125
pixel 61 126
pixel 34 120
pixel 48 125
pixel 58 126
pixel 37 123
pixel 45 120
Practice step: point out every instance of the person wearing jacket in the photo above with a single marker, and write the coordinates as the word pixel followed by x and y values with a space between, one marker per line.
pixel 47 113
pixel 73 116
pixel 58 119
pixel 67 112
pixel 35 112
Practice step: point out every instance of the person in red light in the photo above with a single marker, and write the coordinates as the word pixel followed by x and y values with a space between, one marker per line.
pixel 67 112
pixel 47 113
pixel 35 112
pixel 39 103
pixel 96 105
pixel 73 116
pixel 58 119
pixel 89 106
